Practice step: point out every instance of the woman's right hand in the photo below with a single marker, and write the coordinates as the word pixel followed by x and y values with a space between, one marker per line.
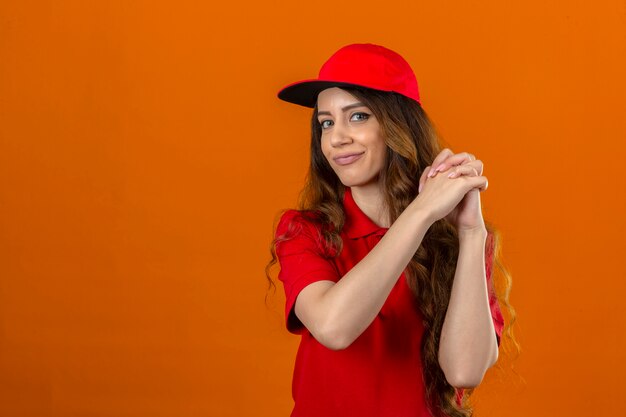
pixel 441 194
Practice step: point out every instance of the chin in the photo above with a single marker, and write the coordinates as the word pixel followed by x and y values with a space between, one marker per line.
pixel 356 182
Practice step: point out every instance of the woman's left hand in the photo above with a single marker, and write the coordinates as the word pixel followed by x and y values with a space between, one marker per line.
pixel 467 215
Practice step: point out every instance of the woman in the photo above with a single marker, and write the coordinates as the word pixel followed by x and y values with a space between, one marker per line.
pixel 387 265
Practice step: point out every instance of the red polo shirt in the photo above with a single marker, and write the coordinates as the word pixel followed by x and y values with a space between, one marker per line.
pixel 380 373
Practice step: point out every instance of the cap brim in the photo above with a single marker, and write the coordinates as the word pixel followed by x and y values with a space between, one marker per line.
pixel 304 93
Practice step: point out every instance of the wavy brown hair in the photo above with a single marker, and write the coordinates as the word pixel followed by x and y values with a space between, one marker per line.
pixel 412 145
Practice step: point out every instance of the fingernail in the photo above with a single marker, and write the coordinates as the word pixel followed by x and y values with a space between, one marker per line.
pixel 419 189
pixel 440 167
pixel 431 172
pixel 452 174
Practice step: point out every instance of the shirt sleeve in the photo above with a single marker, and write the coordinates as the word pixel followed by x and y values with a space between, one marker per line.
pixel 303 261
pixel 496 313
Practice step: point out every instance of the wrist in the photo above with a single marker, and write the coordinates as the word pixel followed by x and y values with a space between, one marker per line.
pixel 420 212
pixel 474 233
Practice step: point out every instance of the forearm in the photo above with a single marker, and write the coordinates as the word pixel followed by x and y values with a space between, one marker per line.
pixel 348 307
pixel 468 345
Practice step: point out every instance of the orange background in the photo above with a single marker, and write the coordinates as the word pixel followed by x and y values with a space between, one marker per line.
pixel 144 157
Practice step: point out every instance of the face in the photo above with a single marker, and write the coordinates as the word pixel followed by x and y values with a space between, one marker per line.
pixel 351 139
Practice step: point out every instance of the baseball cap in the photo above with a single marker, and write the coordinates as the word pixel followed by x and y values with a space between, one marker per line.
pixel 356 65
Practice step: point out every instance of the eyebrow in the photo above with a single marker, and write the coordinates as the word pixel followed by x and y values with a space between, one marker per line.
pixel 343 109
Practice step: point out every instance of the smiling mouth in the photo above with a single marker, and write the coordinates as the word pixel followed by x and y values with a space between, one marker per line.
pixel 347 159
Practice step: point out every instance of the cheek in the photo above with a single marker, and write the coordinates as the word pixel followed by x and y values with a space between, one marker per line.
pixel 324 147
pixel 326 152
pixel 381 154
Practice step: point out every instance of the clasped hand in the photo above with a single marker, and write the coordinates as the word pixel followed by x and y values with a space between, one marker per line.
pixel 450 188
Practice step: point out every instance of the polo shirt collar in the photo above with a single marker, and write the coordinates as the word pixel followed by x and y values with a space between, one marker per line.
pixel 357 224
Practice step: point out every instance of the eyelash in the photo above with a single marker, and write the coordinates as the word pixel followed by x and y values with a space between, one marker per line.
pixel 365 117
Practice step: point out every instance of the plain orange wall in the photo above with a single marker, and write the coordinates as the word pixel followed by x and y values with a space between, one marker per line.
pixel 144 157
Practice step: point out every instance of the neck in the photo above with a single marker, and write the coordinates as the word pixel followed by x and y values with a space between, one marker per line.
pixel 370 200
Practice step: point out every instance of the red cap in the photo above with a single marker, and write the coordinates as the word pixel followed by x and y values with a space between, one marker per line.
pixel 359 64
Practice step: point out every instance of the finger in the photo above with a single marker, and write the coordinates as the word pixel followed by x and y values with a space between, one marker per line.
pixel 443 155
pixel 478 164
pixel 423 179
pixel 484 187
pixel 463 170
pixel 473 168
pixel 452 160
pixel 480 182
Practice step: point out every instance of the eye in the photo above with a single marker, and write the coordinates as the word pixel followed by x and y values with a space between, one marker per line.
pixel 325 124
pixel 358 117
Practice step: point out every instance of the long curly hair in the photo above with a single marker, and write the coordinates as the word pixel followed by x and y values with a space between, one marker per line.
pixel 412 145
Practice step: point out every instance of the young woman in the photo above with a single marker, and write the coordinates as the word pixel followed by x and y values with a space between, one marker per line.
pixel 387 265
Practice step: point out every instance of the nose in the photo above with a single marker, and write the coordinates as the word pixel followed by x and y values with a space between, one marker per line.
pixel 340 135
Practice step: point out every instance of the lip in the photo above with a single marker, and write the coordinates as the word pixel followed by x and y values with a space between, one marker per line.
pixel 348 158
